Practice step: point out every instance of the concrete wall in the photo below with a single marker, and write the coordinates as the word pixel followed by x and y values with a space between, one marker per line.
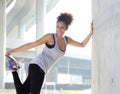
pixel 106 47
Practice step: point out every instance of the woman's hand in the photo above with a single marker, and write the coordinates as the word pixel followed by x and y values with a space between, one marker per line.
pixel 8 53
pixel 92 28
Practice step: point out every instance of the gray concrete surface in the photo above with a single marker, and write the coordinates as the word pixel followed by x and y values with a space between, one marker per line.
pixel 106 47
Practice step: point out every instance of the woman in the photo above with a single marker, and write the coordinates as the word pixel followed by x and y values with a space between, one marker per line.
pixel 55 47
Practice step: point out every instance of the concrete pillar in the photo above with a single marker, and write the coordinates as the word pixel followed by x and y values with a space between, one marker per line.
pixel 106 47
pixel 40 20
pixel 2 42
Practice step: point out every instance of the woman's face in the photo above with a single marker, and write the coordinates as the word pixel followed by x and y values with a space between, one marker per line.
pixel 60 28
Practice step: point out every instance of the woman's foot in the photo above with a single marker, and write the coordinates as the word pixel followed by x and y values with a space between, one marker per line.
pixel 12 64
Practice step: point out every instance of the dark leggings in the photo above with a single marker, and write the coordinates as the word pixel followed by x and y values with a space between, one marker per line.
pixel 33 83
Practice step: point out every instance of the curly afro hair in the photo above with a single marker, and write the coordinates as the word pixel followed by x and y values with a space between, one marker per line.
pixel 67 18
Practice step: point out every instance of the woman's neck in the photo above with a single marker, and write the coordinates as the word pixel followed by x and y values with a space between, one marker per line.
pixel 59 37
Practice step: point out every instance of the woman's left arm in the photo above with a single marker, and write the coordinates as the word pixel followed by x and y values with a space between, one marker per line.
pixel 84 42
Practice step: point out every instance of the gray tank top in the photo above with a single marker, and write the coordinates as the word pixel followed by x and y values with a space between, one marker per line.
pixel 48 57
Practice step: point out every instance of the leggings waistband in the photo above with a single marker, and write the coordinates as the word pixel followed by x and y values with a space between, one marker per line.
pixel 38 67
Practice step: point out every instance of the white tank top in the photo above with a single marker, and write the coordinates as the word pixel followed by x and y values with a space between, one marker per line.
pixel 47 58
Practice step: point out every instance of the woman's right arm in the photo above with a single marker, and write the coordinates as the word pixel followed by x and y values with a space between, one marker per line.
pixel 30 45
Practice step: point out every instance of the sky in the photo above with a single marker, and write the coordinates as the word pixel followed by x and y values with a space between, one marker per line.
pixel 80 28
